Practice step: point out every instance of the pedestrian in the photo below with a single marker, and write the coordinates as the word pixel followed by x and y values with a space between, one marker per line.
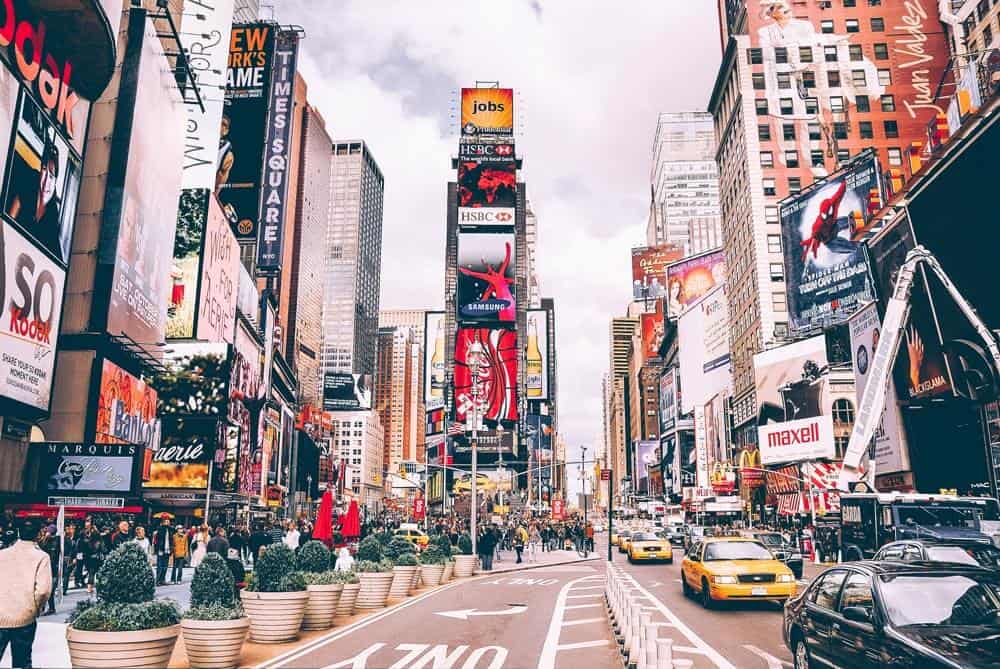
pixel 121 535
pixel 49 543
pixel 199 545
pixel 163 546
pixel 291 537
pixel 179 551
pixel 258 540
pixel 589 533
pixel 236 568
pixel 485 548
pixel 219 544
pixel 520 539
pixel 142 540
pixel 236 540
pixel 27 584
pixel 72 564
pixel 534 539
pixel 344 560
pixel 94 550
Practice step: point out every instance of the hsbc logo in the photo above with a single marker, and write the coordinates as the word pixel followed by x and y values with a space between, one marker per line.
pixel 496 151
pixel 486 216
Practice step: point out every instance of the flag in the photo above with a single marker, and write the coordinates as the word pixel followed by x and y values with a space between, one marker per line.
pixel 455 429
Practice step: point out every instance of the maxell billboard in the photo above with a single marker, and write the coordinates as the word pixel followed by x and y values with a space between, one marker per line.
pixel 796 440
pixel 276 154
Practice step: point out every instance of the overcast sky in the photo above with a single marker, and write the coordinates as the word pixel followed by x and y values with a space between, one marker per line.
pixel 590 78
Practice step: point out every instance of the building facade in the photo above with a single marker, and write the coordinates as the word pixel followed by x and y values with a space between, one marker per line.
pixel 398 390
pixel 359 439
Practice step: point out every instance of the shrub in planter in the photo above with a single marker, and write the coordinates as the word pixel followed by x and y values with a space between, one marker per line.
pixel 397 547
pixel 215 627
pixel 275 597
pixel 314 557
pixel 213 583
pixel 116 617
pixel 407 560
pixel 324 590
pixel 384 538
pixel 404 572
pixel 465 561
pixel 370 549
pixel 275 563
pixel 432 565
pixel 443 541
pixel 433 555
pixel 349 595
pixel 376 579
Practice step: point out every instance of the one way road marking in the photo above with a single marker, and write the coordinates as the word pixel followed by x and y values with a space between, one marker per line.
pixel 464 614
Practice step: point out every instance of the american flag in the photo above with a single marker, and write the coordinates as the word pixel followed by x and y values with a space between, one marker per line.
pixel 455 429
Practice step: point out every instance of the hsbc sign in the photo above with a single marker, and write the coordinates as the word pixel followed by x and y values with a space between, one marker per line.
pixel 486 216
pixel 487 153
pixel 795 440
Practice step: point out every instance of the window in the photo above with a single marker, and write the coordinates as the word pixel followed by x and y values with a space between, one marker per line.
pixel 769 186
pixel 788 130
pixel 885 77
pixel 774 243
pixel 843 155
pixel 895 156
pixel 862 104
pixel 777 271
pixel 805 54
pixel 888 103
pixel 780 54
pixel 857 592
pixel 830 53
pixel 785 104
pixel 874 3
pixel 794 185
pixel 858 78
pixel 852 25
pixel 758 81
pixel 826 589
pixel 855 51
pixel 814 130
pixel 812 106
pixel 892 552
pixel 840 129
pixel 982 9
pixel 792 158
pixel 987 35
pixel 878 25
pixel 850 3
pixel 816 158
pixel 761 106
pixel 808 79
pixel 766 159
pixel 784 80
pixel 865 128
pixel 826 26
pixel 881 51
pixel 833 78
pixel 780 329
pixel 779 302
pixel 771 213
pixel 843 411
pixel 891 128
pixel 755 56
pixel 840 446
pixel 836 103
pixel 764 132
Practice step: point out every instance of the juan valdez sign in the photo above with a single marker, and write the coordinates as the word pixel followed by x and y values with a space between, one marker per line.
pixel 795 440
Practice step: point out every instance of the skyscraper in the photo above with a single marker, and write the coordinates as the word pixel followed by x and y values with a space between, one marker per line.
pixel 353 261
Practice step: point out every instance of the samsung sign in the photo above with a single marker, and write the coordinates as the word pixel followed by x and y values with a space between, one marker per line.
pixel 486 216
pixel 796 440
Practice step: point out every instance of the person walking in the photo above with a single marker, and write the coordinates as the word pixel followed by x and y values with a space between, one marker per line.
pixel 94 550
pixel 162 547
pixel 258 540
pixel 291 537
pixel 219 544
pixel 520 539
pixel 201 540
pixel 121 535
pixel 72 564
pixel 27 584
pixel 485 546
pixel 49 543
pixel 534 539
pixel 345 562
pixel 179 551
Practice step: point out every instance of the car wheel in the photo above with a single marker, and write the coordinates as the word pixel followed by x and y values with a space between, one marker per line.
pixel 685 588
pixel 801 655
pixel 706 595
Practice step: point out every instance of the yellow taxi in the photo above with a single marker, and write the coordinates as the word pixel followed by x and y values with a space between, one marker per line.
pixel 647 546
pixel 614 538
pixel 734 568
pixel 411 533
pixel 623 541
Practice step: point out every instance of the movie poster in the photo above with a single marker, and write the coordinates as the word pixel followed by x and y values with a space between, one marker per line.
pixel 489 397
pixel 486 284
pixel 126 410
pixel 689 279
pixel 649 270
pixel 487 184
pixel 652 332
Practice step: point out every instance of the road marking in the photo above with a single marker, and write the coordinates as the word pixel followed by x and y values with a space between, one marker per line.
pixel 655 584
pixel 596 594
pixel 580 606
pixel 551 647
pixel 425 656
pixel 465 614
pixel 359 661
pixel 584 621
pixel 772 661
pixel 584 644
pixel 591 587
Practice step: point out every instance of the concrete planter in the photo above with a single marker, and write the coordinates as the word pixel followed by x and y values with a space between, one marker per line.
pixel 322 606
pixel 275 617
pixel 430 574
pixel 214 644
pixel 402 581
pixel 464 565
pixel 416 577
pixel 449 570
pixel 348 597
pixel 374 590
pixel 146 649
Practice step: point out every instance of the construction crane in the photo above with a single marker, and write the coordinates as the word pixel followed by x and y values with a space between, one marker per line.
pixel 873 400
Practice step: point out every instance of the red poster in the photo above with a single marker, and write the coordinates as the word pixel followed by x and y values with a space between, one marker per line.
pixel 418 508
pixel 558 511
pixel 493 356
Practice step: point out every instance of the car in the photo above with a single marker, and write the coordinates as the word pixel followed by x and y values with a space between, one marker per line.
pixel 734 568
pixel 675 534
pixel 413 535
pixel 614 538
pixel 924 550
pixel 694 533
pixel 782 550
pixel 623 540
pixel 648 546
pixel 900 614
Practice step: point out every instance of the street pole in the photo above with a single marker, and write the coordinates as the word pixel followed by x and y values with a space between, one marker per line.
pixel 611 505
pixel 475 445
pixel 583 457
pixel 208 490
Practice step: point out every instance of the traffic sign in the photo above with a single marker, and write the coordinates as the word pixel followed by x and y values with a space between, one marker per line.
pixel 605 474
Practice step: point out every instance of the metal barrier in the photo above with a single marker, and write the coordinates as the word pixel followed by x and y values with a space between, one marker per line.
pixel 638 637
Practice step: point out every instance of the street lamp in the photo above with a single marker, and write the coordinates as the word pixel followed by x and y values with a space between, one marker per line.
pixel 475 352
pixel 583 458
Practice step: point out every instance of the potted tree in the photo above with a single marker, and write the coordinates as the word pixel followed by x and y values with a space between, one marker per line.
pixel 376 580
pixel 444 543
pixel 215 626
pixel 126 626
pixel 404 570
pixel 432 566
pixel 322 584
pixel 349 595
pixel 275 597
pixel 465 563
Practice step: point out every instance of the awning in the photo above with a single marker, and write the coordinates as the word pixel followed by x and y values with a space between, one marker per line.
pixel 37 510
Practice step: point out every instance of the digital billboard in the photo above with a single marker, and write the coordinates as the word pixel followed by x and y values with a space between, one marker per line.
pixel 70 468
pixel 491 396
pixel 827 275
pixel 486 152
pixel 243 128
pixel 347 392
pixel 486 284
pixel 486 217
pixel 690 278
pixel 126 409
pixel 188 445
pixel 536 357
pixel 245 389
pixel 652 332
pixel 487 441
pixel 487 184
pixel 649 270
pixel 668 403
pixel 434 362
pixel 487 112
pixel 645 457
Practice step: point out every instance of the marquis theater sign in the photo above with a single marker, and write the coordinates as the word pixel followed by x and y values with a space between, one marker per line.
pixel 90 468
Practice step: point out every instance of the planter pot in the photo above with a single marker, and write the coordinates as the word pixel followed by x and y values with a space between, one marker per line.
pixel 374 590
pixel 464 565
pixel 430 574
pixel 275 617
pixel 348 597
pixel 416 577
pixel 145 649
pixel 322 606
pixel 402 582
pixel 449 571
pixel 214 644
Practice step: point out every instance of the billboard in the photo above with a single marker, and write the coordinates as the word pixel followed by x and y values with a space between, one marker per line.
pixel 649 270
pixel 96 469
pixel 276 154
pixel 486 152
pixel 645 457
pixel 703 345
pixel 827 275
pixel 434 363
pixel 487 112
pixel 243 127
pixel 491 397
pixel 434 422
pixel 487 184
pixel 188 445
pixel 245 388
pixel 716 434
pixel 347 392
pixel 486 217
pixel 126 409
pixel 689 279
pixel 540 433
pixel 536 357
pixel 487 441
pixel 485 291
pixel 796 440
pixel 140 207
pixel 921 370
pixel 668 403
pixel 652 332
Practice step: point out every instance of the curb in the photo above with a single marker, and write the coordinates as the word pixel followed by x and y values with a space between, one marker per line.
pixel 528 567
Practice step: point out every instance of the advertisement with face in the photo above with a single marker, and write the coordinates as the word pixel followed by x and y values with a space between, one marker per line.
pixel 486 265
pixel 826 265
pixel 536 357
pixel 691 278
pixel 645 457
pixel 143 214
pixel 649 270
pixel 487 184
pixel 188 444
pixel 485 377
pixel 921 371
pixel 434 363
pixel 242 132
pixel 703 345
pixel 347 392
pixel 219 278
pixel 652 332
pixel 487 112
pixel 126 409
pixel 668 406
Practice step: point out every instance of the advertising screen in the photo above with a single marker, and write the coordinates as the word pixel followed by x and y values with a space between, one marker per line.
pixel 188 444
pixel 126 409
pixel 486 217
pixel 31 293
pixel 487 112
pixel 487 184
pixel 486 152
pixel 434 363
pixel 920 370
pixel 70 467
pixel 652 332
pixel 244 391
pixel 347 392
pixel 645 457
pixel 539 434
pixel 827 274
pixel 691 278
pixel 488 441
pixel 703 345
pixel 219 279
pixel 649 270
pixel 536 357
pixel 668 404
pixel 244 126
pixel 491 397
pixel 486 265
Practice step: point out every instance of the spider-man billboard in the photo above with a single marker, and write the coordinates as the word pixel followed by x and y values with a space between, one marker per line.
pixel 489 357
pixel 827 273
pixel 485 291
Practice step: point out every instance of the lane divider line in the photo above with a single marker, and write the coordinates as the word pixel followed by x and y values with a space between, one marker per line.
pixel 551 647
pixel 579 606
pixel 584 621
pixel 584 644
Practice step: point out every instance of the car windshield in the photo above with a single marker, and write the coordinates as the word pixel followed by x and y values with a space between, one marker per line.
pixel 948 599
pixel 736 550
pixel 950 554
pixel 644 536
pixel 939 516
pixel 769 539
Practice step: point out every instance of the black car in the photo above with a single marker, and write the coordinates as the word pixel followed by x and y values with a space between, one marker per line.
pixel 924 550
pixel 675 534
pixel 782 550
pixel 899 614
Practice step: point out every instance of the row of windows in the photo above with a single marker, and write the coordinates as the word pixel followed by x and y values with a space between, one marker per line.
pixel 817 157
pixel 808 79
pixel 831 54
pixel 862 104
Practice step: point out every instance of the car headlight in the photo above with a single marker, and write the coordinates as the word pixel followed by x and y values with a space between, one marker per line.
pixel 724 580
pixel 785 578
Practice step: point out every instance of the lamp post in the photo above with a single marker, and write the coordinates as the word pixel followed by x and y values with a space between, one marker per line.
pixel 474 369
pixel 583 458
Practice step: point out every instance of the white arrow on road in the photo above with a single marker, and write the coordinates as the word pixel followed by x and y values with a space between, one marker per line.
pixel 463 614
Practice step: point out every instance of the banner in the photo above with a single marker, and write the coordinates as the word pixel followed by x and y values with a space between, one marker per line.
pixel 668 406
pixel 536 357
pixel 245 389
pixel 189 443
pixel 219 279
pixel 277 154
pixel 689 279
pixel 796 440
pixel 540 433
pixel 703 345
pixel 490 184
pixel 652 332
pixel 126 410
pixel 434 362
pixel 827 275
pixel 418 508
pixel 645 457
pixel 97 469
pixel 487 112
pixel 788 381
pixel 649 270
pixel 486 284
pixel 490 397
pixel 347 392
